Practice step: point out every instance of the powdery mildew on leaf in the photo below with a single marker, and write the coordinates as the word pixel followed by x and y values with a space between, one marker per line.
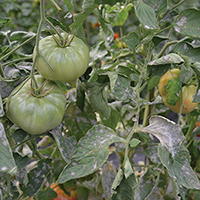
pixel 91 154
pixel 7 161
pixel 165 130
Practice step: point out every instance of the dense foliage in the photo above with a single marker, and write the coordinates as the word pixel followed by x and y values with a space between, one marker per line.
pixel 101 123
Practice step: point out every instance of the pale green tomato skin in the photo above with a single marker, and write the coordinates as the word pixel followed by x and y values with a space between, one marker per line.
pixel 68 63
pixel 36 115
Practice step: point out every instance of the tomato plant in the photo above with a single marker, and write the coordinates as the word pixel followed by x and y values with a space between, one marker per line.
pixel 186 94
pixel 61 194
pixel 39 110
pixel 88 113
pixel 63 61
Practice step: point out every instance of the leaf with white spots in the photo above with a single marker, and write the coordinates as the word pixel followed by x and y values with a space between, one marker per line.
pixel 7 163
pixel 65 145
pixel 179 166
pixel 36 177
pixel 165 130
pixel 122 90
pixel 171 58
pixel 158 5
pixel 91 154
pixel 188 22
pixel 146 15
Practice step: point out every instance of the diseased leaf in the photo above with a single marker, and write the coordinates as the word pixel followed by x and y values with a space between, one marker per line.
pixel 146 15
pixel 175 160
pixel 109 173
pixel 165 130
pixel 7 163
pixel 188 22
pixel 172 89
pixel 65 145
pixel 91 154
pixel 187 49
pixel 157 5
pixel 1 108
pixel 123 90
pixel 171 58
pixel 36 177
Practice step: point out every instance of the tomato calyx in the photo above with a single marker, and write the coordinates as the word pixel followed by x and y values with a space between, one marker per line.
pixel 65 41
pixel 39 92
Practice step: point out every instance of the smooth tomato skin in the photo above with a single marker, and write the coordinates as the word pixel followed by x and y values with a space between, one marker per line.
pixel 68 63
pixel 188 105
pixel 164 79
pixel 61 195
pixel 116 35
pixel 35 115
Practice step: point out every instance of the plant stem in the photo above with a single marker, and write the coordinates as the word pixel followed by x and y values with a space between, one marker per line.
pixel 165 47
pixel 9 53
pixel 146 111
pixel 56 5
pixel 17 60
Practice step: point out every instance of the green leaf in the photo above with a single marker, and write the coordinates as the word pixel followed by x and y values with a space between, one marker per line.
pixel 113 119
pixel 122 15
pixel 146 184
pixel 7 163
pixel 21 161
pixel 186 74
pixel 146 15
pixel 157 5
pixel 126 189
pixel 56 22
pixel 171 58
pixel 3 21
pixel 153 81
pixel 21 35
pixel 47 194
pixel 132 40
pixel 188 22
pixel 91 154
pixel 109 173
pixel 97 98
pixel 36 177
pixel 172 89
pixel 174 159
pixel 134 142
pixel 85 119
pixel 185 48
pixel 196 68
pixel 87 7
pixel 69 4
pixel 65 145
pixel 128 170
pixel 165 130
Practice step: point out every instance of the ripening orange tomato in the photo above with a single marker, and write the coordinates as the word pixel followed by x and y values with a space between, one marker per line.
pixel 187 93
pixel 61 195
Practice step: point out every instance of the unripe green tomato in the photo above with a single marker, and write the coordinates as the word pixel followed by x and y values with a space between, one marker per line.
pixel 36 114
pixel 64 63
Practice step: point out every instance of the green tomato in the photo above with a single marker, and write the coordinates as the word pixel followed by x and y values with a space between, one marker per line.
pixel 36 114
pixel 63 63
